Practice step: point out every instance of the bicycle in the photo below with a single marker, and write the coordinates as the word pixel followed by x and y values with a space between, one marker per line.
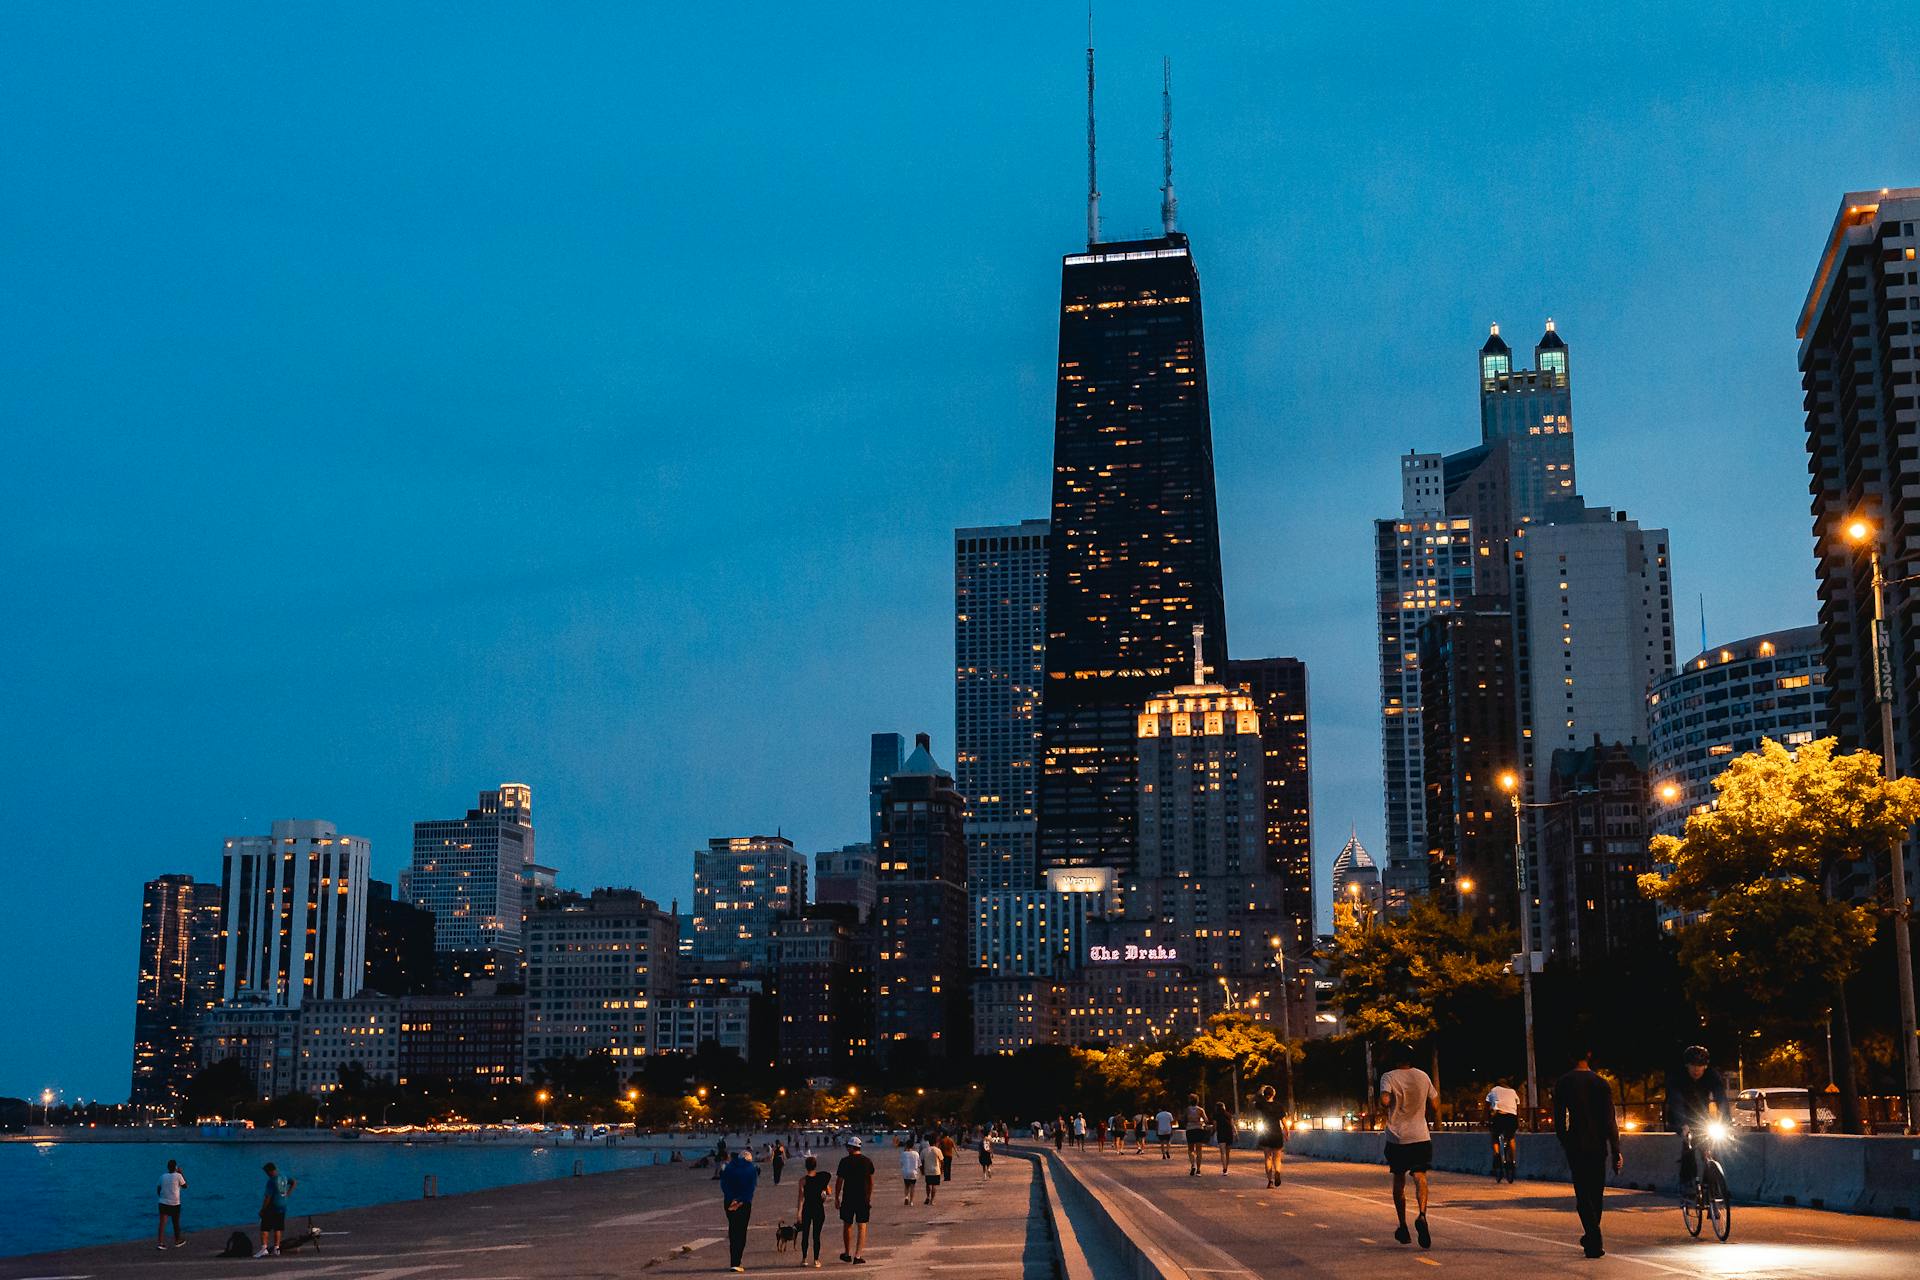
pixel 1707 1200
pixel 1504 1162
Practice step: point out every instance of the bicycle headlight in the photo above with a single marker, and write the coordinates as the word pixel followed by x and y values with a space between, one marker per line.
pixel 1716 1130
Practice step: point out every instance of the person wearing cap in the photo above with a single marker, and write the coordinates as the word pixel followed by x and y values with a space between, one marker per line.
pixel 273 1210
pixel 737 1182
pixel 853 1196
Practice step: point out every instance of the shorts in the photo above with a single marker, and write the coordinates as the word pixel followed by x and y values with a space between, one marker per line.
pixel 851 1212
pixel 1273 1140
pixel 986 1157
pixel 273 1219
pixel 1410 1157
pixel 1198 1137
pixel 933 1179
pixel 171 1211
pixel 1504 1125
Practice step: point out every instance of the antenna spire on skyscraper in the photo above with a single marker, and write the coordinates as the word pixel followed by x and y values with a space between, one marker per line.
pixel 1199 663
pixel 1169 207
pixel 1093 184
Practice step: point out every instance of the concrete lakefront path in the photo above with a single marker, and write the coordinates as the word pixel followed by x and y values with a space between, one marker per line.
pixel 663 1221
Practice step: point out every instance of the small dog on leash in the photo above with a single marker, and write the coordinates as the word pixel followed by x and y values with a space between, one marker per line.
pixel 784 1235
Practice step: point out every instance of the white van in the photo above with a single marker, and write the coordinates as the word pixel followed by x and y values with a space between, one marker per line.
pixel 1783 1110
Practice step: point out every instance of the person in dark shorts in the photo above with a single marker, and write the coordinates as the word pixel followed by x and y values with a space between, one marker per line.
pixel 853 1196
pixel 986 1153
pixel 1503 1121
pixel 1273 1132
pixel 1199 1128
pixel 1407 1099
pixel 812 1209
pixel 273 1210
pixel 172 1182
pixel 1223 1128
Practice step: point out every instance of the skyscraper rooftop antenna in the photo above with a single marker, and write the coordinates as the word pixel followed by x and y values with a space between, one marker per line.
pixel 1169 206
pixel 1093 183
pixel 1199 663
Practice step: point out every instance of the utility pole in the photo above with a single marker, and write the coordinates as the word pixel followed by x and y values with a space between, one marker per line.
pixel 1511 784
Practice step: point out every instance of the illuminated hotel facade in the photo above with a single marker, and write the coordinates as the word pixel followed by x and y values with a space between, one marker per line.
pixel 600 970
pixel 1134 547
pixel 296 915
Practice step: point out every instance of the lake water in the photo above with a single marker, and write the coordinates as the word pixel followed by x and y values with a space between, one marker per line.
pixel 55 1195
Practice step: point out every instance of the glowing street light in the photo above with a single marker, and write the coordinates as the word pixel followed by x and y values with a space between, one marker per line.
pixel 1863 534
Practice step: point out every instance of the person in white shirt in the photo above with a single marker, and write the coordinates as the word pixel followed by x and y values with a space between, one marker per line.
pixel 930 1167
pixel 1163 1129
pixel 909 1167
pixel 1407 1099
pixel 1503 1121
pixel 172 1182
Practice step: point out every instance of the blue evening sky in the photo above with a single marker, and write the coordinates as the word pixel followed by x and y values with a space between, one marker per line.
pixel 400 399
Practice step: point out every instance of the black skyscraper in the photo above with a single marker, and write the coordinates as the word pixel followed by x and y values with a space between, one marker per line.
pixel 1135 561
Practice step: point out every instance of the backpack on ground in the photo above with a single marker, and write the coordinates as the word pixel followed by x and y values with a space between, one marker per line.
pixel 238 1246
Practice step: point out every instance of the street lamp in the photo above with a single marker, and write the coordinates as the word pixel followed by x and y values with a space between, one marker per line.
pixel 1286 1014
pixel 1862 534
pixel 1510 783
pixel 541 1097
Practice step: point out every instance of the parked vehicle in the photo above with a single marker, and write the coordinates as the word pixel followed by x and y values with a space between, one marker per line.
pixel 1782 1110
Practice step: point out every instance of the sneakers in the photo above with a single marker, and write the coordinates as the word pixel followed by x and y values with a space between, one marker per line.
pixel 1420 1229
pixel 261 1252
pixel 1401 1234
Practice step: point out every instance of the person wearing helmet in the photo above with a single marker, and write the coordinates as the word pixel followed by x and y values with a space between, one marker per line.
pixel 1695 1093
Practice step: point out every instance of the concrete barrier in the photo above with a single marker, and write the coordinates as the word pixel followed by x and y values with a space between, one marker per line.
pixel 1876 1175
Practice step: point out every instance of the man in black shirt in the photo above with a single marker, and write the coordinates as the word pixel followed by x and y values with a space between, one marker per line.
pixel 853 1196
pixel 1696 1094
pixel 1590 1136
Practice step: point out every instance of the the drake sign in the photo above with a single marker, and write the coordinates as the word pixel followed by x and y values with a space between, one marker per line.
pixel 1131 953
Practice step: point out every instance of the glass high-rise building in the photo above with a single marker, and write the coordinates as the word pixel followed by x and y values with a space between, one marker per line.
pixel 1134 548
pixel 920 933
pixel 999 643
pixel 742 887
pixel 180 979
pixel 1531 409
pixel 474 873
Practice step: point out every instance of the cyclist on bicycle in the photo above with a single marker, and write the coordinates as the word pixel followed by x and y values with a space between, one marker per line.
pixel 1503 1121
pixel 1695 1093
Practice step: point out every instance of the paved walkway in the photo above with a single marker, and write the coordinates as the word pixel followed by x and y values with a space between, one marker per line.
pixel 1336 1220
pixel 665 1221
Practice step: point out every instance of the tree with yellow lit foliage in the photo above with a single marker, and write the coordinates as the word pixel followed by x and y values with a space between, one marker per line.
pixel 1771 946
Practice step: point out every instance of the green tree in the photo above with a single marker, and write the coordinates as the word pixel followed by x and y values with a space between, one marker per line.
pixel 1771 947
pixel 1245 1046
pixel 1397 976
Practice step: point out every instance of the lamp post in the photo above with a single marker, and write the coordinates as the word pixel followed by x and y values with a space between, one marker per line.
pixel 1863 534
pixel 1286 1015
pixel 541 1098
pixel 1510 783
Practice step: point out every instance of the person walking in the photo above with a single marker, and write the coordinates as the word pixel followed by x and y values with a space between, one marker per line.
pixel 1140 1123
pixel 811 1212
pixel 172 1183
pixel 947 1147
pixel 1059 1133
pixel 909 1165
pixel 1079 1131
pixel 737 1181
pixel 1163 1130
pixel 1503 1121
pixel 1590 1138
pixel 986 1152
pixel 853 1197
pixel 1223 1131
pixel 779 1161
pixel 1407 1098
pixel 930 1166
pixel 1273 1132
pixel 273 1210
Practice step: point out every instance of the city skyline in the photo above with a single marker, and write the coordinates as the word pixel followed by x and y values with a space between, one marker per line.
pixel 607 647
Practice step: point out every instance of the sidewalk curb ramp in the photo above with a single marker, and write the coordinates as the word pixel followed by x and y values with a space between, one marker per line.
pixel 1841 1173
